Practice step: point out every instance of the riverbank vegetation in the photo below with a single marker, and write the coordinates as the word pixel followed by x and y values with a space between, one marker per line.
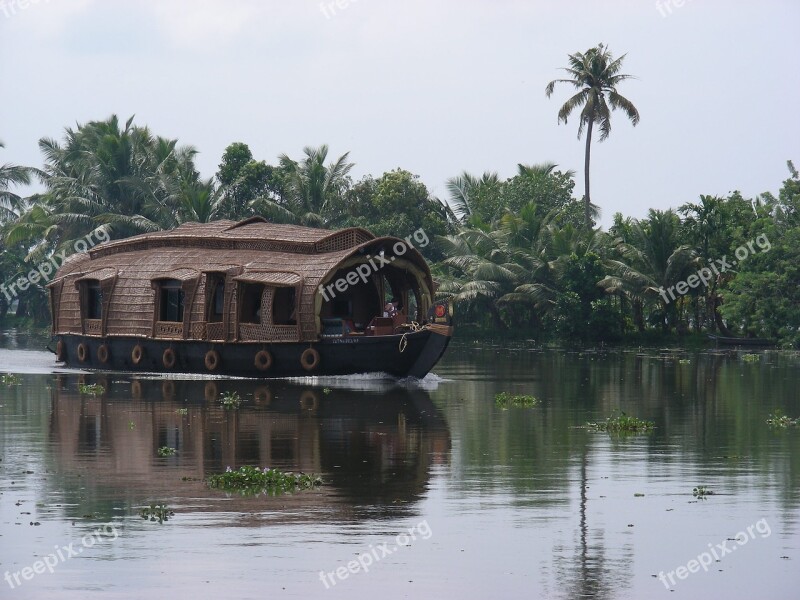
pixel 515 255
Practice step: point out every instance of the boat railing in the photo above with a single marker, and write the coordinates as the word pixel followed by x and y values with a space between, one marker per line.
pixel 215 331
pixel 169 329
pixel 254 332
pixel 93 326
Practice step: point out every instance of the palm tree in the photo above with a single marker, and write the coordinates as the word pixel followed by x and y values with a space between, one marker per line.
pixel 537 170
pixel 120 177
pixel 653 262
pixel 201 202
pixel 11 175
pixel 524 262
pixel 704 227
pixel 480 272
pixel 312 185
pixel 462 188
pixel 595 73
pixel 11 205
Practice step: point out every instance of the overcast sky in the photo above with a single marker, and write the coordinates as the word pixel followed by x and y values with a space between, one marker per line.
pixel 433 86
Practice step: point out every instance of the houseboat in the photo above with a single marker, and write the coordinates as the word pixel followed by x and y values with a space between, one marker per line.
pixel 250 298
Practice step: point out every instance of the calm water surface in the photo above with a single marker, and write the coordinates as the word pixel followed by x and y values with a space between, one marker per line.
pixel 519 503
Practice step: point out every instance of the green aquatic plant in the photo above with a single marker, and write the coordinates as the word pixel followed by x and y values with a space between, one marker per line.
pixel 249 480
pixel 622 423
pixel 156 512
pixel 751 357
pixel 778 419
pixel 230 400
pixel 701 491
pixel 91 389
pixel 166 451
pixel 10 379
pixel 504 400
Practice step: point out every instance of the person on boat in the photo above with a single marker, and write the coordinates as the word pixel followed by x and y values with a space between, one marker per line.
pixel 391 308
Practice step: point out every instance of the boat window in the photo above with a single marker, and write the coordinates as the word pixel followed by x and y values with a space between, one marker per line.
pixel 216 299
pixel 251 303
pixel 284 309
pixel 94 300
pixel 413 304
pixel 171 298
pixel 342 307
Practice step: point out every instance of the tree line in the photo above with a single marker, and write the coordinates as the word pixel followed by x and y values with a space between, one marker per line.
pixel 514 255
pixel 517 256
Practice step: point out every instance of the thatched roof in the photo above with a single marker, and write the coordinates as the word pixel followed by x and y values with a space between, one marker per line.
pixel 251 234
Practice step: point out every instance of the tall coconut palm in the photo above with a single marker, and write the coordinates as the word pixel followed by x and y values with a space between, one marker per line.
pixel 312 185
pixel 595 73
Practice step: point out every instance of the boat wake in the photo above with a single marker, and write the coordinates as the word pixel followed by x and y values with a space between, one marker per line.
pixel 37 362
pixel 370 382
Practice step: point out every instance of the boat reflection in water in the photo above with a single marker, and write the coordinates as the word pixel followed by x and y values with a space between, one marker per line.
pixel 374 449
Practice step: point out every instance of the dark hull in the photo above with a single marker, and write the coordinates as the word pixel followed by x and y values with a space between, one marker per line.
pixel 337 356
pixel 731 341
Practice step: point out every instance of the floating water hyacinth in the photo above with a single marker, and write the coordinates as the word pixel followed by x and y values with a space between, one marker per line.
pixel 156 512
pixel 94 389
pixel 10 379
pixel 505 400
pixel 622 423
pixel 249 480
pixel 230 400
pixel 778 419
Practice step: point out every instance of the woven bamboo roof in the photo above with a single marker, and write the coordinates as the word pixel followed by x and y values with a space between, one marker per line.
pixel 254 233
pixel 270 252
pixel 270 278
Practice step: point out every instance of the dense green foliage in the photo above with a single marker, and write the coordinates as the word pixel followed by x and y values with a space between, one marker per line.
pixel 514 255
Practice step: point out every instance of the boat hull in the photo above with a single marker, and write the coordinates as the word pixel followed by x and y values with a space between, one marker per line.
pixel 412 354
pixel 750 342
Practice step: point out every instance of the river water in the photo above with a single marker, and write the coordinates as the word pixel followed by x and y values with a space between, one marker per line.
pixel 429 489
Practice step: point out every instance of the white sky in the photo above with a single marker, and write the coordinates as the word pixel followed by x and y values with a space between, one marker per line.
pixel 432 86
